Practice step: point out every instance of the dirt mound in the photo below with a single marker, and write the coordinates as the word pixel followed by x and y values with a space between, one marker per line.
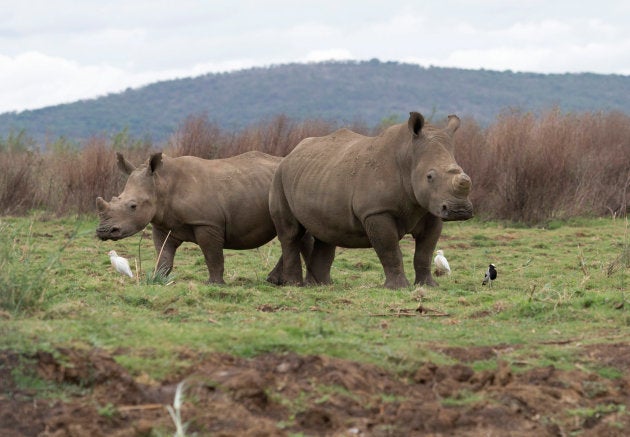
pixel 281 394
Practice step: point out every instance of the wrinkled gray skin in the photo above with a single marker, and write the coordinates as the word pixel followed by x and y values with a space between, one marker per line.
pixel 217 204
pixel 350 190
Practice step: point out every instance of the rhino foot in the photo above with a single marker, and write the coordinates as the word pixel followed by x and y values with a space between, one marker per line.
pixel 321 277
pixel 428 281
pixel 279 280
pixel 275 279
pixel 396 283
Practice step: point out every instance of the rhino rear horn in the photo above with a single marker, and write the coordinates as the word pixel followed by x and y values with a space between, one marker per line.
pixel 453 123
pixel 124 165
pixel 415 123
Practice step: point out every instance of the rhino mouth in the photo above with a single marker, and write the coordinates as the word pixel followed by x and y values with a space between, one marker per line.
pixel 109 232
pixel 452 211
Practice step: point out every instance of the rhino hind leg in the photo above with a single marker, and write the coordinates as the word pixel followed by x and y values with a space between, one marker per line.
pixel 306 249
pixel 275 276
pixel 426 234
pixel 318 267
pixel 382 231
pixel 290 233
pixel 291 263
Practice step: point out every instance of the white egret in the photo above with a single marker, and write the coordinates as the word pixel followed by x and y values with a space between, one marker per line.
pixel 441 264
pixel 120 264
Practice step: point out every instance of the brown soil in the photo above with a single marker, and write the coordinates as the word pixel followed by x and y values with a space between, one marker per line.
pixel 284 394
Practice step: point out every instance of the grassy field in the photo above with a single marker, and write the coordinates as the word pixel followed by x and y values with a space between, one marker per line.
pixel 563 284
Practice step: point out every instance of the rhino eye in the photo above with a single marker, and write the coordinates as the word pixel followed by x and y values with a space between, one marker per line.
pixel 430 176
pixel 133 206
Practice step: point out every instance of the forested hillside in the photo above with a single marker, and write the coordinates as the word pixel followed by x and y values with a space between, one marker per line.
pixel 341 92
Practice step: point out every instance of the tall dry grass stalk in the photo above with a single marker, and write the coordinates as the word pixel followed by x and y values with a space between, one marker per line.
pixel 197 136
pixel 20 188
pixel 534 168
pixel 524 166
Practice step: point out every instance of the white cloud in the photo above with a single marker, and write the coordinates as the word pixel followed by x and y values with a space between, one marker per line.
pixel 54 51
pixel 36 80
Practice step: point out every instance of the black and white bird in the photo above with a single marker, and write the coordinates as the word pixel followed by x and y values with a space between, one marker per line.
pixel 491 275
pixel 120 264
pixel 441 264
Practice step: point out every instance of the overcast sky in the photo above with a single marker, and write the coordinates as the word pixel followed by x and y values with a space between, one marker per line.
pixel 57 51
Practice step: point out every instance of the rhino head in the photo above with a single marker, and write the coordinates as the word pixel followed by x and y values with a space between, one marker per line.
pixel 135 207
pixel 438 183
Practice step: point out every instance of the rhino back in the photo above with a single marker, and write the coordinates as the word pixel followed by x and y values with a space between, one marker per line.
pixel 332 183
pixel 231 193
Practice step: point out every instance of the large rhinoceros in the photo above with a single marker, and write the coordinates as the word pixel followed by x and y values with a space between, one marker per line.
pixel 217 204
pixel 350 190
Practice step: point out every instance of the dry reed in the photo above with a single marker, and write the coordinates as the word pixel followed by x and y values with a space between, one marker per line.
pixel 525 167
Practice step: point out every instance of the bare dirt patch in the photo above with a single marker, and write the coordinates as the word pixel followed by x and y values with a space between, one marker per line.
pixel 281 394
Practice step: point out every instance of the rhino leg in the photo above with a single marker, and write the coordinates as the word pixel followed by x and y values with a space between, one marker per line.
pixel 291 263
pixel 211 240
pixel 318 267
pixel 382 231
pixel 426 234
pixel 275 276
pixel 168 249
pixel 306 249
pixel 290 233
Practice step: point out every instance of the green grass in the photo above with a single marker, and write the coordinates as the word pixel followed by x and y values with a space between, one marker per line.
pixel 555 292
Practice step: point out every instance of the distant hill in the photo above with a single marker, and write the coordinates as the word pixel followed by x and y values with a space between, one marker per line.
pixel 344 92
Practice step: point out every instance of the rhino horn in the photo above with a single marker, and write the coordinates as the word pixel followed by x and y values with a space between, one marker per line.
pixel 101 204
pixel 462 184
pixel 453 123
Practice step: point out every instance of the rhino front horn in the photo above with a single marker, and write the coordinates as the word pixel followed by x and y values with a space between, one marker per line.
pixel 462 184
pixel 101 204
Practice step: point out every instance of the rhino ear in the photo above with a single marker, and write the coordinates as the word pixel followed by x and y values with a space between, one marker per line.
pixel 415 123
pixel 453 123
pixel 124 165
pixel 155 162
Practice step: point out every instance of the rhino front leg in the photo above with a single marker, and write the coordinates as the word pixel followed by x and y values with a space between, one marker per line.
pixel 168 249
pixel 382 231
pixel 319 264
pixel 426 234
pixel 211 241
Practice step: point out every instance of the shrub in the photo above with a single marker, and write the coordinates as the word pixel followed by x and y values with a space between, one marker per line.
pixel 525 167
pixel 19 184
pixel 536 168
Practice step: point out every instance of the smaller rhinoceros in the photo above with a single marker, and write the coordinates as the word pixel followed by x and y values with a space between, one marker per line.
pixel 350 190
pixel 217 204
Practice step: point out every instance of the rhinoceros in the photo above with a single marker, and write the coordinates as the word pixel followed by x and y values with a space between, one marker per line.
pixel 355 191
pixel 217 204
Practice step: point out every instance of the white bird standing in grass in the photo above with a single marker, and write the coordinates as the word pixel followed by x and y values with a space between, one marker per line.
pixel 120 264
pixel 441 264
